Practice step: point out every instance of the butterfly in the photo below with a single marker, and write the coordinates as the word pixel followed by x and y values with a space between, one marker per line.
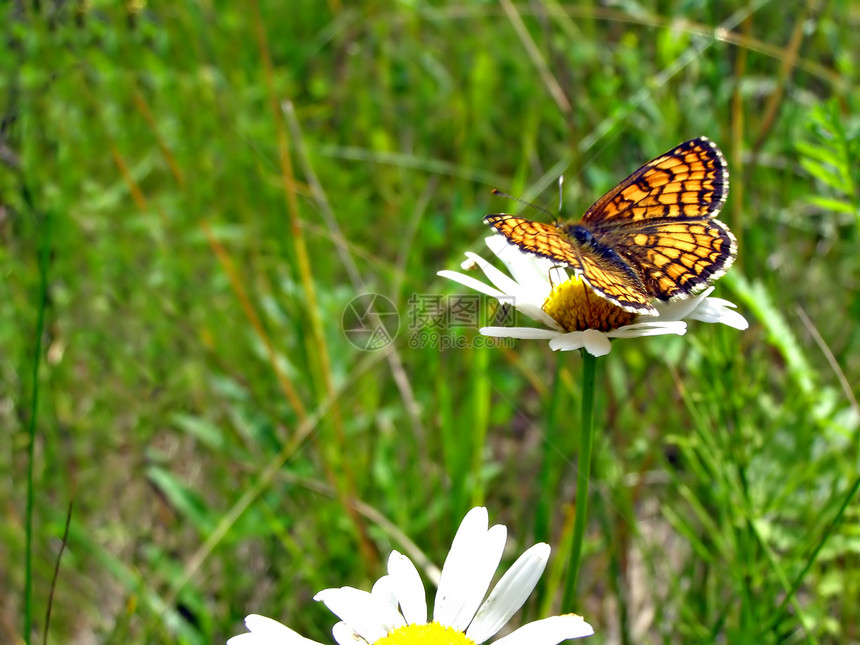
pixel 652 236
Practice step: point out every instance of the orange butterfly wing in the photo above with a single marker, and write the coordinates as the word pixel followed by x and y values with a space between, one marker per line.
pixel 613 280
pixel 661 219
pixel 676 259
pixel 690 181
pixel 544 240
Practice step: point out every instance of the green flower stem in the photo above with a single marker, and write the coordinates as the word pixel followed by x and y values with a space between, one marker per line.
pixel 586 436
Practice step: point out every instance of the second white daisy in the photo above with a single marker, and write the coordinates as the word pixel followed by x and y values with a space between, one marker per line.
pixel 395 611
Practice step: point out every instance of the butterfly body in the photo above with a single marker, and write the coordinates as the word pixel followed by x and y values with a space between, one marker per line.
pixel 655 235
pixel 587 240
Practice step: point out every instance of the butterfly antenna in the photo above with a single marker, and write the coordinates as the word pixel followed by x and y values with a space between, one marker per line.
pixel 500 193
pixel 560 194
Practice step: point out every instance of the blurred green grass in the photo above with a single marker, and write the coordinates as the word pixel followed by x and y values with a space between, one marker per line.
pixel 229 451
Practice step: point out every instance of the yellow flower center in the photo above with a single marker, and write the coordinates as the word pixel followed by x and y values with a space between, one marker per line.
pixel 429 634
pixel 574 306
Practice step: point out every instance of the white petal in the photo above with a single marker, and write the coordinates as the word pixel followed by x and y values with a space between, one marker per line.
pixel 595 342
pixel 502 282
pixel 528 290
pixel 345 635
pixel 558 275
pixel 567 342
pixel 548 631
pixel 468 264
pixel 509 594
pixel 383 591
pixel 527 269
pixel 368 616
pixel 471 533
pixel 519 332
pixel 656 328
pixel 523 298
pixel 266 631
pixel 408 588
pixel 472 283
pixel 535 312
pixel 682 307
pixel 468 571
pixel 478 575
pixel 530 284
pixel 717 310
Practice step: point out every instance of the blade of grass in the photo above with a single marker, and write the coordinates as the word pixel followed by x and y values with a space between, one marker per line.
pixel 737 174
pixel 63 542
pixel 310 424
pixel 43 224
pixel 251 314
pixel 822 540
pixel 536 57
pixel 319 347
pixel 480 403
pixel 831 359
pixel 394 359
pixel 789 59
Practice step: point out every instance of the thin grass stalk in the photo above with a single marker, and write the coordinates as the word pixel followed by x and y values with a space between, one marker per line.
pixel 585 17
pixel 480 420
pixel 616 563
pixel 803 620
pixel 251 314
pixel 789 60
pixel 586 437
pixel 737 142
pixel 790 595
pixel 320 348
pixel 546 477
pixel 346 482
pixel 44 258
pixel 453 445
pixel 63 542
pixel 398 371
pixel 536 57
pixel 169 158
pixel 313 424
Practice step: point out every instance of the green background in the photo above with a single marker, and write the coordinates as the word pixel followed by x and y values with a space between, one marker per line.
pixel 191 194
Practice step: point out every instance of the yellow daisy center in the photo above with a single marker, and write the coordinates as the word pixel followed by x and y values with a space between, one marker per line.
pixel 428 634
pixel 574 306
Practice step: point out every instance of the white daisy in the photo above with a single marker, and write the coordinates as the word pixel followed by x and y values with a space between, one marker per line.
pixel 395 611
pixel 574 316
